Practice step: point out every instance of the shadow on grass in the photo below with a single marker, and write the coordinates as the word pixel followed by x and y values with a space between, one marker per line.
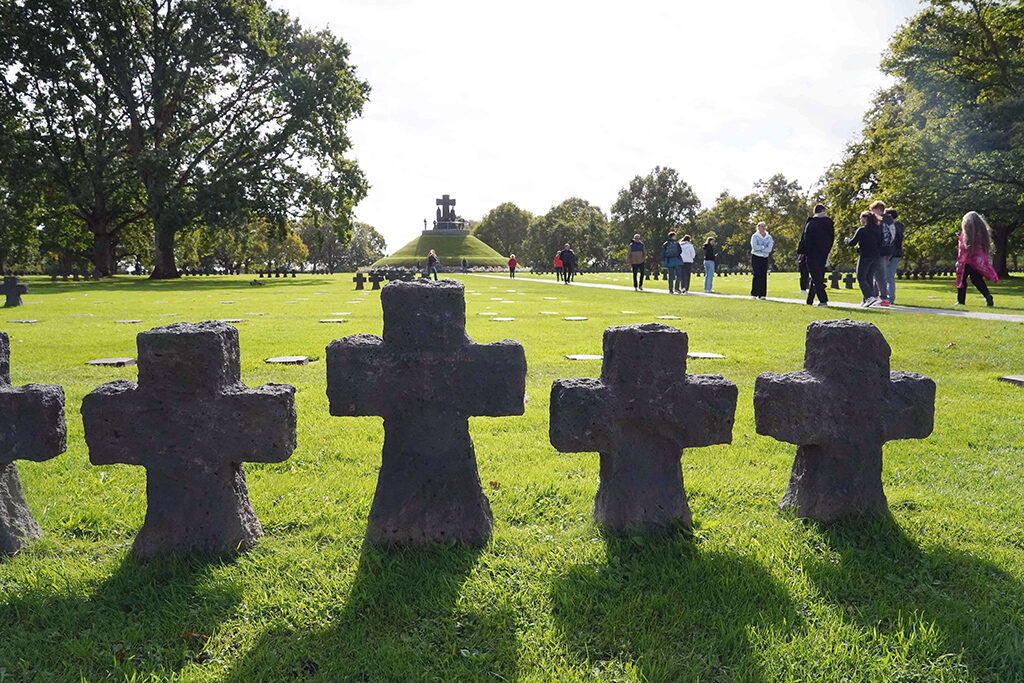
pixel 670 610
pixel 885 582
pixel 401 621
pixel 146 618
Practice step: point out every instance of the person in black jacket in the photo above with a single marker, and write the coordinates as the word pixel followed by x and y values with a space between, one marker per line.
pixel 868 240
pixel 568 257
pixel 897 254
pixel 815 245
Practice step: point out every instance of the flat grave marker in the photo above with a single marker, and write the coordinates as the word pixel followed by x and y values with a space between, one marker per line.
pixel 288 360
pixel 574 318
pixel 1017 380
pixel 111 362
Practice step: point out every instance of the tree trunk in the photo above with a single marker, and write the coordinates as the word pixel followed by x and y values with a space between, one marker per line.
pixel 104 257
pixel 1000 243
pixel 163 258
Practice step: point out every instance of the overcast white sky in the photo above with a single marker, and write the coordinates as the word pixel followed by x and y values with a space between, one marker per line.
pixel 534 102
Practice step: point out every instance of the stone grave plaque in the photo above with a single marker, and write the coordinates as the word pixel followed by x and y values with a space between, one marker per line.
pixel 574 317
pixel 288 360
pixel 112 362
pixel 1017 380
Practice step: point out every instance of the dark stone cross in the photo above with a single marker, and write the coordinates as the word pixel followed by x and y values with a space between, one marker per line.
pixel 834 279
pixel 839 411
pixel 13 290
pixel 191 422
pixel 426 378
pixel 446 204
pixel 31 428
pixel 850 280
pixel 360 280
pixel 640 415
pixel 375 278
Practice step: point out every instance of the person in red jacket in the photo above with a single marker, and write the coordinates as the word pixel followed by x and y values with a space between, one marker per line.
pixel 558 265
pixel 512 263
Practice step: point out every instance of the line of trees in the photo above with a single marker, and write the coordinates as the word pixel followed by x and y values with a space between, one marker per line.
pixel 947 137
pixel 127 126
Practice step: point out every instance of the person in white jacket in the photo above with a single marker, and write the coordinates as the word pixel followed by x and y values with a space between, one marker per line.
pixel 761 245
pixel 688 255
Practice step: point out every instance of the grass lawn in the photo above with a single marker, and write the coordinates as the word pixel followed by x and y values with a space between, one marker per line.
pixel 933 594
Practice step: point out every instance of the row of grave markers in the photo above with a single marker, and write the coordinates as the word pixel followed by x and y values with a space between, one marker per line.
pixel 191 422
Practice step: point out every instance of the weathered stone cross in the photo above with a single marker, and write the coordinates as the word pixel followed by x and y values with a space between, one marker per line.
pixel 191 422
pixel 446 204
pixel 640 416
pixel 31 428
pixel 425 378
pixel 839 410
pixel 360 280
pixel 13 290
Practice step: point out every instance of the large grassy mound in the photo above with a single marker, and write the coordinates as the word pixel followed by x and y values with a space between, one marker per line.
pixel 933 593
pixel 450 249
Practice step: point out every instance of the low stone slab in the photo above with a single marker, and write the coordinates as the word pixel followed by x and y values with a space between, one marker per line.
pixel 488 313
pixel 584 356
pixel 131 322
pixel 502 320
pixel 332 320
pixel 551 298
pixel 24 322
pixel 343 313
pixel 574 317
pixel 549 312
pixel 112 362
pixel 288 360
pixel 255 313
pixel 667 317
pixel 232 320
pixel 1013 379
pixel 703 354
pixel 79 315
pixel 628 312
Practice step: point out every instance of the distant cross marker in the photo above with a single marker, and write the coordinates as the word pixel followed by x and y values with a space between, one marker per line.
pixel 191 422
pixel 13 289
pixel 858 405
pixel 426 378
pixel 31 428
pixel 640 415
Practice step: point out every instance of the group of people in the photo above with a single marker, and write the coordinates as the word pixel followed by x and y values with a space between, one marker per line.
pixel 879 242
pixel 677 258
pixel 565 264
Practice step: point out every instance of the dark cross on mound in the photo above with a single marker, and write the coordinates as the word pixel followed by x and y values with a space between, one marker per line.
pixel 426 378
pixel 839 411
pixel 640 416
pixel 445 213
pixel 31 428
pixel 191 422
pixel 13 290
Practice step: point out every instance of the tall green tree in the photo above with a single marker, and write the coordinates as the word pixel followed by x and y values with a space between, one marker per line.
pixel 504 228
pixel 948 136
pixel 230 108
pixel 72 119
pixel 652 206
pixel 782 205
pixel 575 221
pixel 20 193
pixel 364 246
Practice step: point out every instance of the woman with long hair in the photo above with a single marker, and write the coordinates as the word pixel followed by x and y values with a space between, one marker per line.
pixel 867 239
pixel 972 259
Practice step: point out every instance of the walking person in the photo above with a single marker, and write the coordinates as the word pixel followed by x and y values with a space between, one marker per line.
pixel 672 260
pixel 972 259
pixel 887 232
pixel 867 239
pixel 432 262
pixel 465 265
pixel 897 254
pixel 559 266
pixel 688 255
pixel 761 245
pixel 568 257
pixel 709 264
pixel 636 258
pixel 512 263
pixel 815 245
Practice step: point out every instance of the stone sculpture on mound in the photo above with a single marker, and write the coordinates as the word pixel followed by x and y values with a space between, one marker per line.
pixel 426 378
pixel 839 411
pixel 640 415
pixel 31 428
pixel 191 422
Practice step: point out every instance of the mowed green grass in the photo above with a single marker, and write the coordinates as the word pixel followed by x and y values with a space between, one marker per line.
pixel 933 594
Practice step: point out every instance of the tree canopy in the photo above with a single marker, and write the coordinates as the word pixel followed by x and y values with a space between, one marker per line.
pixel 652 206
pixel 575 221
pixel 504 228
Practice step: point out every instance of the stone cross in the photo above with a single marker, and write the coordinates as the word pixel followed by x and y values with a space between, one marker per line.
pixel 31 428
pixel 640 415
pixel 834 279
pixel 850 280
pixel 375 278
pixel 839 411
pixel 360 280
pixel 191 422
pixel 426 378
pixel 446 204
pixel 13 290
